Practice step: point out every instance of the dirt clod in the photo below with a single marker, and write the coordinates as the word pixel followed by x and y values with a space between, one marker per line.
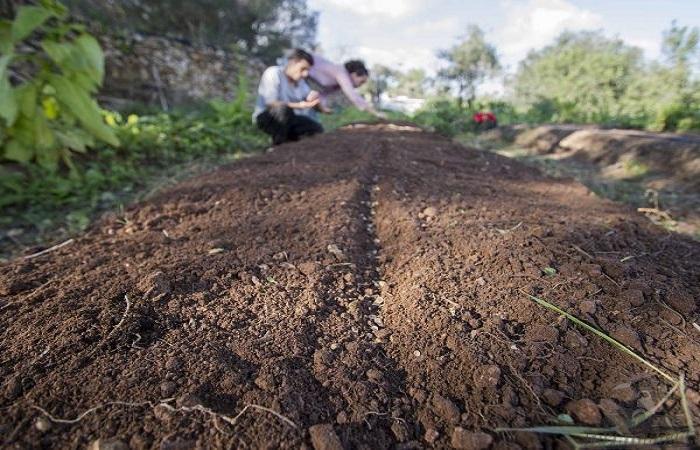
pixel 323 437
pixel 445 408
pixel 464 439
pixel 487 376
pixel 585 411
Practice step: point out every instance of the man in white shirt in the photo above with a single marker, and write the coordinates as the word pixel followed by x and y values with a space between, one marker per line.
pixel 285 102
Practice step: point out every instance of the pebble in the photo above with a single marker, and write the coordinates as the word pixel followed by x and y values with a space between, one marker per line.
pixel 624 393
pixel 552 397
pixel 108 444
pixel 585 411
pixel 431 435
pixel 465 439
pixel 634 296
pixel 323 437
pixel 416 353
pixel 307 268
pixel 374 374
pixel 588 307
pixel 627 336
pixel 430 211
pixel 43 424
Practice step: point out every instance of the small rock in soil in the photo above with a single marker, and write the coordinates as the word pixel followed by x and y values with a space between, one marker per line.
pixel 400 431
pixel 624 393
pixel 342 417
pixel 108 444
pixel 587 307
pixel 430 211
pixel 613 413
pixel 431 435
pixel 684 302
pixel 634 296
pixel 627 336
pixel 487 376
pixel 307 268
pixel 445 408
pixel 43 424
pixel 552 397
pixel 323 437
pixel 374 374
pixel 336 251
pixel 465 439
pixel 585 411
pixel 155 284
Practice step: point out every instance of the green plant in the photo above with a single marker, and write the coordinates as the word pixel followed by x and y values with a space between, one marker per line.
pixel 49 70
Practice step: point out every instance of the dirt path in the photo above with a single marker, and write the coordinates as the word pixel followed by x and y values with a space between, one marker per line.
pixel 372 280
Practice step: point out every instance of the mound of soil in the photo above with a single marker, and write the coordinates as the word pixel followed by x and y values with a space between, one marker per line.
pixel 361 289
pixel 545 138
pixel 676 158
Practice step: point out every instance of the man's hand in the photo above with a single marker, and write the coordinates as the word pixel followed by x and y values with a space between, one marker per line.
pixel 305 104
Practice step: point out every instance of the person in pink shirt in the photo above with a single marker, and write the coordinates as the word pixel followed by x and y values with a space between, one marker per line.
pixel 331 78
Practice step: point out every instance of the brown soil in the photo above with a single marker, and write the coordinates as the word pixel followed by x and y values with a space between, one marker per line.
pixel 367 285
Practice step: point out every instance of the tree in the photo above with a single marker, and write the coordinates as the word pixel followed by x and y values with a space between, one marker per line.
pixel 260 27
pixel 469 62
pixel 583 76
pixel 381 78
pixel 680 44
pixel 410 84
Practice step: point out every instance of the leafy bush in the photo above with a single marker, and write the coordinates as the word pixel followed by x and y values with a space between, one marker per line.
pixel 49 112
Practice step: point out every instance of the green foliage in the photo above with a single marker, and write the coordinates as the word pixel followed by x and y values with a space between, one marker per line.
pixel 152 145
pixel 49 71
pixel 587 78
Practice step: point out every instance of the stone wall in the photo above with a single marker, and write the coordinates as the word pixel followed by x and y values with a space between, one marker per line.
pixel 167 72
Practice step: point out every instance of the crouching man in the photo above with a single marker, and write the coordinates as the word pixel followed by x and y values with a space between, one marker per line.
pixel 285 104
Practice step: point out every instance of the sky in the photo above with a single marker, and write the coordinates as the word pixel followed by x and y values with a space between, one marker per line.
pixel 407 33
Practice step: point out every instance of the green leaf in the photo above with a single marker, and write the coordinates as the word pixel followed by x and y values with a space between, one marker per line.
pixel 90 49
pixel 16 151
pixel 48 158
pixel 43 135
pixel 84 108
pixel 26 96
pixel 76 140
pixel 28 19
pixel 57 51
pixel 549 271
pixel 8 102
pixel 6 44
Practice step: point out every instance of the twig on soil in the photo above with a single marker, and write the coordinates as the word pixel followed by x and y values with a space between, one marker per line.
pixel 582 251
pixel 111 333
pixel 696 326
pixel 508 230
pixel 163 403
pixel 50 249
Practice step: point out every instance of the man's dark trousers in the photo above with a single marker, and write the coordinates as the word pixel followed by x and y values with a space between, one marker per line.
pixel 283 125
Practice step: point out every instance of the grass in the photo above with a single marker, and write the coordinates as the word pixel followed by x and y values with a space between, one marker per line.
pixel 596 437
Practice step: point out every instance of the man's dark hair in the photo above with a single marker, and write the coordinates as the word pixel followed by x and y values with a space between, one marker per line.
pixel 298 55
pixel 357 67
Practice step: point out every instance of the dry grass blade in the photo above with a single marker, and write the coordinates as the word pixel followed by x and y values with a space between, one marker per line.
pixel 600 334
